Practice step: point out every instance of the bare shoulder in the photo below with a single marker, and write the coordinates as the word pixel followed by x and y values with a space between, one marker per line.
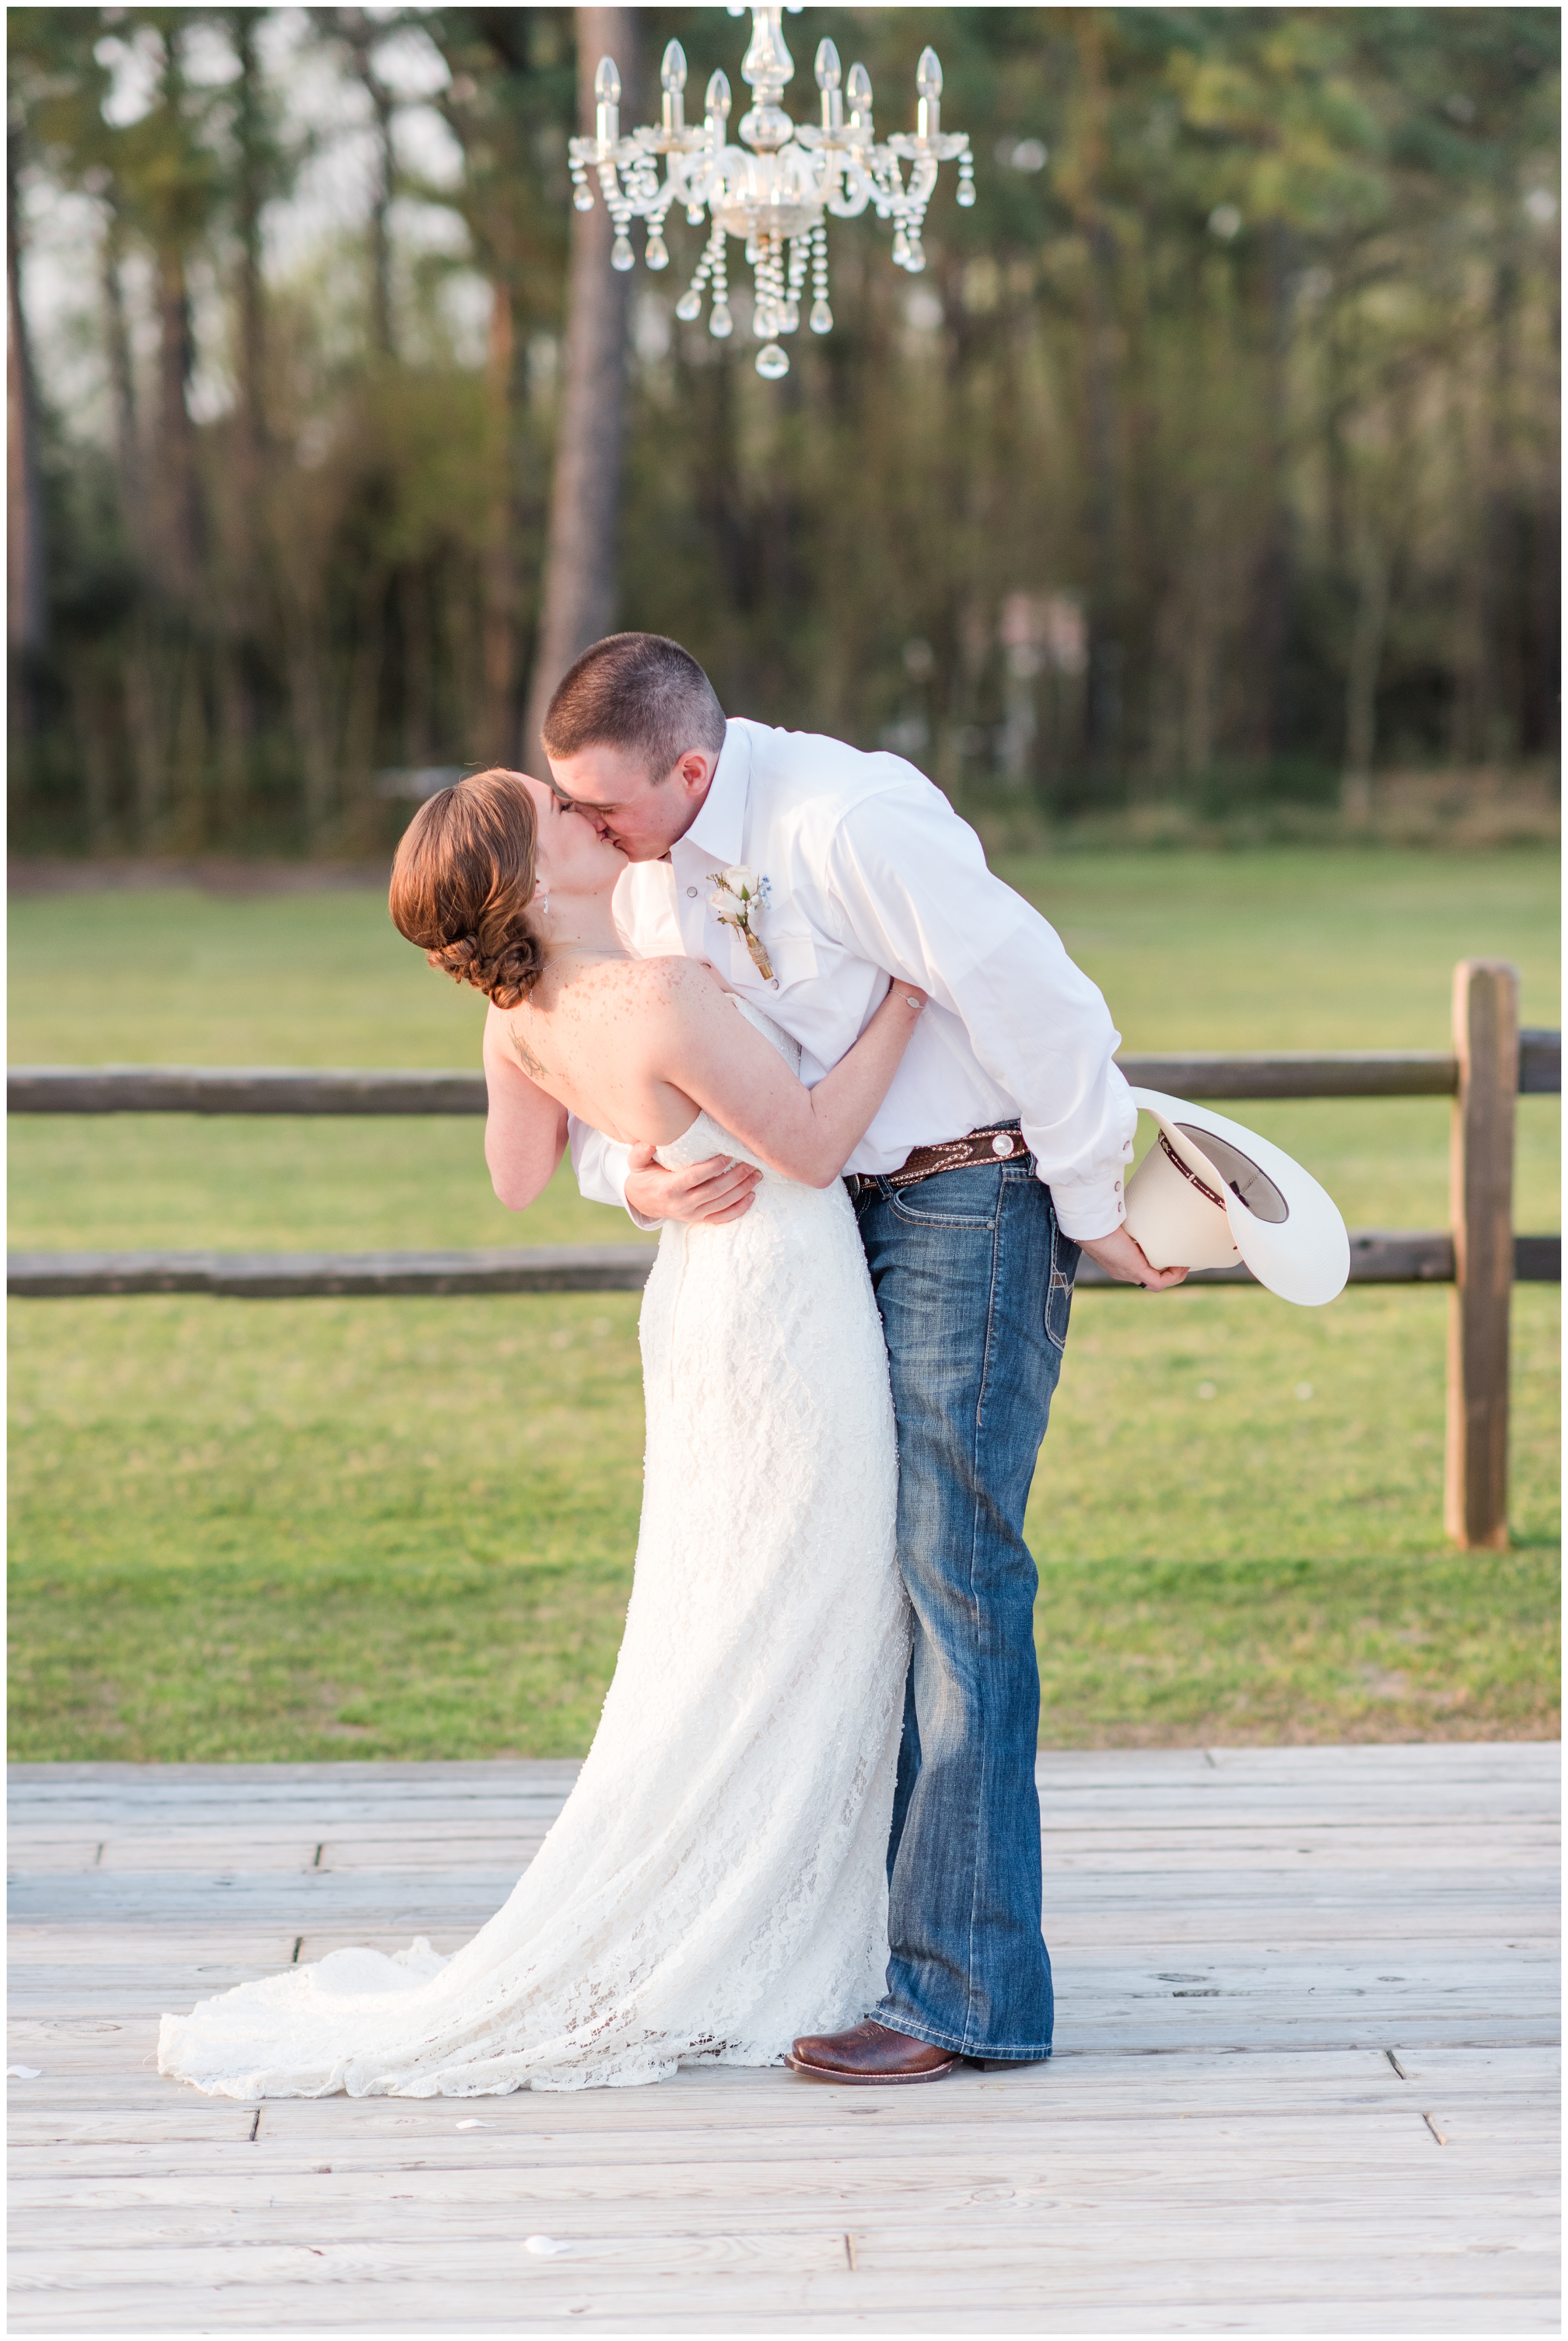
pixel 688 986
pixel 508 1051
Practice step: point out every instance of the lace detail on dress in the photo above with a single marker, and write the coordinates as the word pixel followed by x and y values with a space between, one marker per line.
pixel 717 1882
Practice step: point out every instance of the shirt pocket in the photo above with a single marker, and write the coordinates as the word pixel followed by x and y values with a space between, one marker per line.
pixel 791 952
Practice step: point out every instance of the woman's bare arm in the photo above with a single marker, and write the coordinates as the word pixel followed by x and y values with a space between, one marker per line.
pixel 705 1048
pixel 525 1130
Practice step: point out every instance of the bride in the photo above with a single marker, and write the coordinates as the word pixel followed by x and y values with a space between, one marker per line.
pixel 716 1884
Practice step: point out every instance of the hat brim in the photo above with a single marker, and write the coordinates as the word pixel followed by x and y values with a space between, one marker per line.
pixel 1304 1256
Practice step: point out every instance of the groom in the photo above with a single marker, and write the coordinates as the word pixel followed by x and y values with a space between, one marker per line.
pixel 997 1157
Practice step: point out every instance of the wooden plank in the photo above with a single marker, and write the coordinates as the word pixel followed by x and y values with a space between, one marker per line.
pixel 810 2263
pixel 1378 1256
pixel 807 2309
pixel 254 1090
pixel 1086 2082
pixel 241 1089
pixel 1486 1044
pixel 1540 1063
pixel 1293 1072
pixel 276 1276
pixel 27 1781
pixel 341 1091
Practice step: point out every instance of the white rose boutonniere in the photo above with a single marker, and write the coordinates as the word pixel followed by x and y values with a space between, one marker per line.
pixel 738 900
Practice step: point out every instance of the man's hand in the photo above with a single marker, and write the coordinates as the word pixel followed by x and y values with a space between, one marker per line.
pixel 708 1194
pixel 1122 1256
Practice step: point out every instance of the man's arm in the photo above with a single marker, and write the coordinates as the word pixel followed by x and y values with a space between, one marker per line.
pixel 909 881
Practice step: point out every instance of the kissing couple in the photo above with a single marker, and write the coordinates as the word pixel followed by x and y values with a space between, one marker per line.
pixel 766 990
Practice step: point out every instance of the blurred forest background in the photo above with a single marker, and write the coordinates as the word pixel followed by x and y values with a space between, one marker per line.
pixel 1212 463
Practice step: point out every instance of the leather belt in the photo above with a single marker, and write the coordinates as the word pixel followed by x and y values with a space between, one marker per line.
pixel 999 1142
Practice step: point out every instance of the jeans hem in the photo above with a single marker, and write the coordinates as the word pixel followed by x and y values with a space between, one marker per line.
pixel 914 2030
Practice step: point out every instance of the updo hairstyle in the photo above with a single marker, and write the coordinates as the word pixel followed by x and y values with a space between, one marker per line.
pixel 462 881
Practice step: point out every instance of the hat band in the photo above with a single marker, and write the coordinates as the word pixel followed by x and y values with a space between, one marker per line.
pixel 1189 1174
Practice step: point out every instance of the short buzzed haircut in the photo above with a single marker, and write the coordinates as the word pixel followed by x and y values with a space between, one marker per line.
pixel 638 692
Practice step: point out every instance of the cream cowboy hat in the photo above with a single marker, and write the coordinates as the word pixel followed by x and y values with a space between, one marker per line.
pixel 1209 1193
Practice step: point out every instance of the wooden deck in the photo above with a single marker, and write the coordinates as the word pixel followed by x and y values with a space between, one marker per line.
pixel 1305 2079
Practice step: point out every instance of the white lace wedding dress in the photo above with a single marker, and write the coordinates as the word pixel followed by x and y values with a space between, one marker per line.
pixel 717 1882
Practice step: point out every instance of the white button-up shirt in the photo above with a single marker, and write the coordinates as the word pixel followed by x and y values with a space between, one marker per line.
pixel 873 875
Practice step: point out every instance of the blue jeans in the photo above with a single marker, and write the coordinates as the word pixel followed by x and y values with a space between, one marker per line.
pixel 973 1280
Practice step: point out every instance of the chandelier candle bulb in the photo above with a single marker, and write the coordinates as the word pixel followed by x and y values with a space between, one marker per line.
pixel 672 77
pixel 776 187
pixel 858 92
pixel 928 89
pixel 607 91
pixel 828 77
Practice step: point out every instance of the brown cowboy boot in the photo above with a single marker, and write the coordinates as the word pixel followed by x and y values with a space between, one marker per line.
pixel 868 2056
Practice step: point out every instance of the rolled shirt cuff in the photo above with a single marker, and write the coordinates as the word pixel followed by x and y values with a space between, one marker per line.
pixel 617 1167
pixel 1087 1209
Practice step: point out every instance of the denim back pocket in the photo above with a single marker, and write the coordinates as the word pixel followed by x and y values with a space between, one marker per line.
pixel 1064 1258
pixel 952 1199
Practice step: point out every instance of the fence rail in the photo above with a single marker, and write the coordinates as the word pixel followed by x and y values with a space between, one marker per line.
pixel 1376 1256
pixel 348 1090
pixel 1479 1256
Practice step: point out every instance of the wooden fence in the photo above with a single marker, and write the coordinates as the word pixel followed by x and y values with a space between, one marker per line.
pixel 1479 1255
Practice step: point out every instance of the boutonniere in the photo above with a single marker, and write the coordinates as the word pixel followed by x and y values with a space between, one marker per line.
pixel 738 901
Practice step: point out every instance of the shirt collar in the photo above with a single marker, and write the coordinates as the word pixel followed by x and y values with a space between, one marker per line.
pixel 719 830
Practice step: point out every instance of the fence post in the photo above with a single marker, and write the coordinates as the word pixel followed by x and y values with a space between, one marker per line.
pixel 1481 1192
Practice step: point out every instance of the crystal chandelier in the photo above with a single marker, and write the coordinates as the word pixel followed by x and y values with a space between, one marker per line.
pixel 776 196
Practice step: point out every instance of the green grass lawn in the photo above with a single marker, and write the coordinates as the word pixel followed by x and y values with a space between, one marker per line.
pixel 404 1528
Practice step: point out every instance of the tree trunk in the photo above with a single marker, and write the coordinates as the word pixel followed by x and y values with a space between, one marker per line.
pixel 250 195
pixel 1361 683
pixel 27 609
pixel 500 567
pixel 245 530
pixel 180 516
pixel 356 28
pixel 1103 699
pixel 122 379
pixel 380 221
pixel 1499 547
pixel 1273 580
pixel 579 558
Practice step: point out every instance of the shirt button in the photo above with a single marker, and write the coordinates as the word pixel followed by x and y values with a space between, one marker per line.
pixel 691 894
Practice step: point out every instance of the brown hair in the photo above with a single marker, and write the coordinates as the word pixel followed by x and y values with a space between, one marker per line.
pixel 462 881
pixel 640 692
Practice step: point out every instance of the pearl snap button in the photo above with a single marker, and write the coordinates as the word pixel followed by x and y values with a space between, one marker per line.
pixel 691 894
pixel 1000 1145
